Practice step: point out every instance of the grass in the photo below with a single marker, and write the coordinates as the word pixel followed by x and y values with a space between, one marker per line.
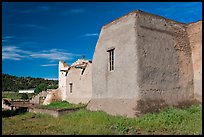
pixel 169 121
pixel 63 104
pixel 15 95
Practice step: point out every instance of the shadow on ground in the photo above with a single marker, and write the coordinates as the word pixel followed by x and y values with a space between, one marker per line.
pixel 10 113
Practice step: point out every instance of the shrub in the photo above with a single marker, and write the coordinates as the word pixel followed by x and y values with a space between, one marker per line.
pixel 41 87
pixel 24 96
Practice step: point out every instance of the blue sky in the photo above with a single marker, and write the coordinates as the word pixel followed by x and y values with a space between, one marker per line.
pixel 36 35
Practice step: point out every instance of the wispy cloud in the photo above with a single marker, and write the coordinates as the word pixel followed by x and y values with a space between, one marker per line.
pixel 91 34
pixel 44 8
pixel 33 26
pixel 15 53
pixel 34 10
pixel 74 11
pixel 48 65
pixel 7 38
pixel 77 10
pixel 53 54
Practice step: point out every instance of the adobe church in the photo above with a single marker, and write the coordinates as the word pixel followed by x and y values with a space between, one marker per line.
pixel 142 63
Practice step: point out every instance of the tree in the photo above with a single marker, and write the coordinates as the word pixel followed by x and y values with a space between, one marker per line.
pixel 41 87
pixel 24 96
pixel 13 83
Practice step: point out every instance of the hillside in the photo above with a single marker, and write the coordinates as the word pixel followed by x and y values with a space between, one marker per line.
pixel 14 83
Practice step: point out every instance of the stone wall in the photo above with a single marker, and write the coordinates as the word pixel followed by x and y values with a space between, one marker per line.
pixel 195 37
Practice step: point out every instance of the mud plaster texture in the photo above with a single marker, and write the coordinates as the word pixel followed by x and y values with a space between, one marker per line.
pixel 153 66
pixel 195 37
pixel 35 99
pixel 52 96
pixel 81 79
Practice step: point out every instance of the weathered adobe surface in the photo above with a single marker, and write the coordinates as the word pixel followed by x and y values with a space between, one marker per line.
pixel 165 75
pixel 195 37
pixel 80 76
pixel 81 80
pixel 166 72
pixel 165 60
pixel 52 96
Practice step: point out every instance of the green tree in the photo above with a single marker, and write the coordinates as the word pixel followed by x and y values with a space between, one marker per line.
pixel 13 83
pixel 41 87
pixel 24 96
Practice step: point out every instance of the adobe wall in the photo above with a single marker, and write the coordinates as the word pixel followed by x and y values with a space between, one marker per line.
pixel 82 85
pixel 36 98
pixel 116 91
pixel 62 79
pixel 165 73
pixel 195 36
pixel 52 96
pixel 153 66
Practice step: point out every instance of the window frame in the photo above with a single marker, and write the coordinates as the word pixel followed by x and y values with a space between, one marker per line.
pixel 70 87
pixel 111 59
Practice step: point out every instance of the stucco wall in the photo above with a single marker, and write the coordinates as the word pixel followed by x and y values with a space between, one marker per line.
pixel 165 68
pixel 114 89
pixel 62 79
pixel 153 66
pixel 52 96
pixel 121 82
pixel 81 85
pixel 195 37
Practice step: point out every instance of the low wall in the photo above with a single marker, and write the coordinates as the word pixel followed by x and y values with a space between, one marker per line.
pixel 125 107
pixel 53 112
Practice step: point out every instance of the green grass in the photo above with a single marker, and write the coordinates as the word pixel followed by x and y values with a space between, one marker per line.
pixel 63 104
pixel 170 121
pixel 15 95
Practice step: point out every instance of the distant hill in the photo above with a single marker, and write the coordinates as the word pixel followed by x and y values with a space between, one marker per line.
pixel 14 83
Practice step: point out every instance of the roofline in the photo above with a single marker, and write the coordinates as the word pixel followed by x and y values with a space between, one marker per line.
pixel 194 22
pixel 140 12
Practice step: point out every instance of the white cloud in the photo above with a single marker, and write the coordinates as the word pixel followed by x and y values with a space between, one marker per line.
pixel 15 53
pixel 12 56
pixel 91 34
pixel 53 54
pixel 48 65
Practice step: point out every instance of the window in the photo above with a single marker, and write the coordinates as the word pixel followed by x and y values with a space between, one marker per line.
pixel 70 87
pixel 111 59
